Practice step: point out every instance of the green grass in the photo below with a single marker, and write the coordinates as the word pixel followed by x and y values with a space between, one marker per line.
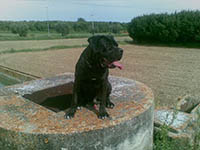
pixel 8 36
pixel 41 49
pixel 163 142
pixel 7 80
pixel 13 47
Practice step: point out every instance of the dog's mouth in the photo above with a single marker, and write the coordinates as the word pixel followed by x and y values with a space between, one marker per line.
pixel 114 64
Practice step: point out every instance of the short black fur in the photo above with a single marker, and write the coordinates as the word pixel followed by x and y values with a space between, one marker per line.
pixel 91 75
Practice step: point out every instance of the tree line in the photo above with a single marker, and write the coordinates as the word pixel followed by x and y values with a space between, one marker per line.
pixel 177 27
pixel 63 27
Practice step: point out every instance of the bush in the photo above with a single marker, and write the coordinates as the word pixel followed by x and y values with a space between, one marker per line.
pixel 20 28
pixel 163 142
pixel 116 28
pixel 62 28
pixel 177 27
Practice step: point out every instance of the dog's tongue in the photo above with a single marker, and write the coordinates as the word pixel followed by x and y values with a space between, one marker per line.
pixel 117 64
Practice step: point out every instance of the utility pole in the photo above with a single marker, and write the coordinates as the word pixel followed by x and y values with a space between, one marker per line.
pixel 92 25
pixel 47 20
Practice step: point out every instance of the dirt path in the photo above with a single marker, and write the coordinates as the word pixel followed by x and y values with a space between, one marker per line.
pixel 170 72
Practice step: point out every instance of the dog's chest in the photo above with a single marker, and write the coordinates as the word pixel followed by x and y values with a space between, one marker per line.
pixel 93 83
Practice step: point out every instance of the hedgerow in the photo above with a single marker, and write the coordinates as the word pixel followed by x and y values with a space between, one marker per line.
pixel 178 27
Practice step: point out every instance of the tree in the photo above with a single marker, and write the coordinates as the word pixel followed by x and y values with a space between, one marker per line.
pixel 81 20
pixel 176 27
pixel 116 27
pixel 81 26
pixel 62 28
pixel 20 28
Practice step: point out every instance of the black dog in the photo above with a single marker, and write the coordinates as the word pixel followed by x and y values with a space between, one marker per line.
pixel 91 74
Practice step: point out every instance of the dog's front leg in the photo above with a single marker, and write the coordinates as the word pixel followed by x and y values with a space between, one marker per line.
pixel 109 104
pixel 72 110
pixel 102 109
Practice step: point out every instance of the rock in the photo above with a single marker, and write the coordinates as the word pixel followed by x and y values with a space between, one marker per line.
pixel 182 127
pixel 187 103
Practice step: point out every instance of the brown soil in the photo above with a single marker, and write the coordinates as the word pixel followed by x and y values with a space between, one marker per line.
pixel 170 72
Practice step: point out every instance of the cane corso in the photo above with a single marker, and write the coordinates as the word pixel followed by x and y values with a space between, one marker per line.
pixel 91 75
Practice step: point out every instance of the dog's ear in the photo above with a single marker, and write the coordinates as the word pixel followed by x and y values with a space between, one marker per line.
pixel 111 39
pixel 101 41
pixel 93 42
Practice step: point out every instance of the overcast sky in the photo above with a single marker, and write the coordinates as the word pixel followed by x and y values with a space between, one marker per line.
pixel 90 10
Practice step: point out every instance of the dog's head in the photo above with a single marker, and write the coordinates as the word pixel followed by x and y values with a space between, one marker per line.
pixel 106 51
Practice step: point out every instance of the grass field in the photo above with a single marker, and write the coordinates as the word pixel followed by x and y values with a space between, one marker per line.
pixel 8 36
pixel 170 72
pixel 24 45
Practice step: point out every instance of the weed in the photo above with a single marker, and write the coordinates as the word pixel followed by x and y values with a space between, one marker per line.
pixel 196 144
pixel 163 142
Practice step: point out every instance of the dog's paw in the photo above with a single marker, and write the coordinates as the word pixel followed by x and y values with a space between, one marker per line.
pixel 109 104
pixel 79 108
pixel 69 114
pixel 103 115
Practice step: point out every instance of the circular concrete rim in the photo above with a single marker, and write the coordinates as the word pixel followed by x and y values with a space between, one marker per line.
pixel 42 120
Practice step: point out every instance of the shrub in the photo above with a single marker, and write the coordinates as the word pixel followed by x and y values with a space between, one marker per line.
pixel 20 28
pixel 163 142
pixel 62 28
pixel 177 27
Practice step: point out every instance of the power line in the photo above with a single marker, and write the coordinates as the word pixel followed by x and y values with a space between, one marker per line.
pixel 101 5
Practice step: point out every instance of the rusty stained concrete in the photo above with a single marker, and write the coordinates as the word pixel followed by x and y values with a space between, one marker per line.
pixel 22 115
pixel 23 121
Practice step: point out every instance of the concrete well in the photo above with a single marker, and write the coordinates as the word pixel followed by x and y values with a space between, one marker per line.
pixel 32 117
